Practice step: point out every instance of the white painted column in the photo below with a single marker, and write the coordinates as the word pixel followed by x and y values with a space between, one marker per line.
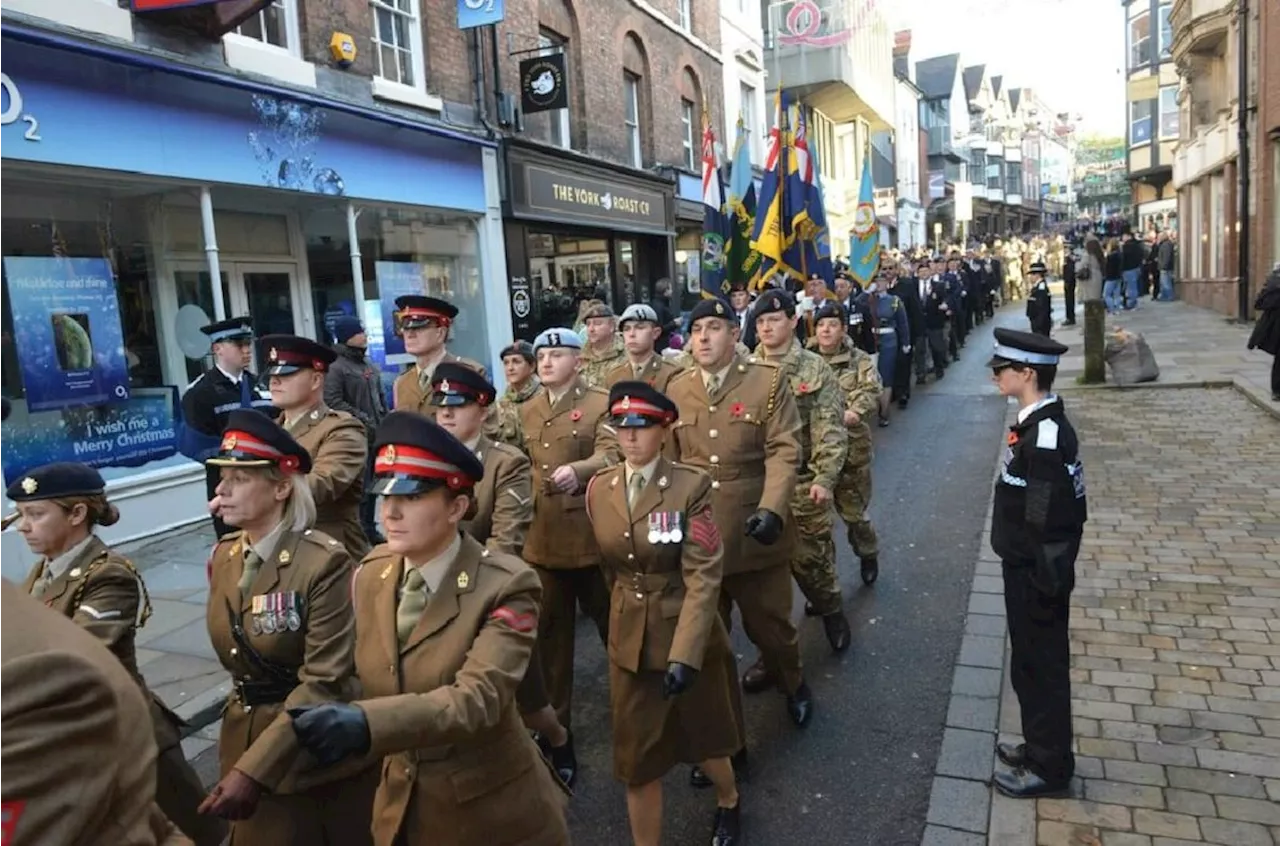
pixel 493 270
pixel 357 267
pixel 211 252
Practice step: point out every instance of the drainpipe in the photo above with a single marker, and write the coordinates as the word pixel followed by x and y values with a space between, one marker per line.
pixel 357 264
pixel 1242 160
pixel 211 252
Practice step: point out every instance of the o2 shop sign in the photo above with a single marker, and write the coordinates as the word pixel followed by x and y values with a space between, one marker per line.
pixel 13 110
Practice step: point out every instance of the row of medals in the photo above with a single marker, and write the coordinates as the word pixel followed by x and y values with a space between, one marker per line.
pixel 664 527
pixel 276 612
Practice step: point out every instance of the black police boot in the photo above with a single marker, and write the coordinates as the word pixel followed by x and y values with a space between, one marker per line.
pixel 727 827
pixel 741 771
pixel 870 569
pixel 1013 754
pixel 800 705
pixel 564 760
pixel 920 380
pixel 810 611
pixel 902 403
pixel 1024 784
pixel 838 632
pixel 757 678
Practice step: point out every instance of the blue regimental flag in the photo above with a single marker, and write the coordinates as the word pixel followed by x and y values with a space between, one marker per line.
pixel 717 222
pixel 864 241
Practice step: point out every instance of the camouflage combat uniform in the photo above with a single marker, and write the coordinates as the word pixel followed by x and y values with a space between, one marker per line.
pixel 860 382
pixel 595 365
pixel 507 412
pixel 824 445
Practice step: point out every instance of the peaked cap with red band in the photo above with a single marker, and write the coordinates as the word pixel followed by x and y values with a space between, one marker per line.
pixel 285 354
pixel 638 404
pixel 455 384
pixel 414 455
pixel 414 311
pixel 252 439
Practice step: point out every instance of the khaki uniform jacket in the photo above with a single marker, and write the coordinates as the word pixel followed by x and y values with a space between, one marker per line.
pixel 503 498
pixel 824 443
pixel 458 768
pixel 78 755
pixel 860 381
pixel 657 372
pixel 748 439
pixel 407 393
pixel 339 449
pixel 575 432
pixel 258 740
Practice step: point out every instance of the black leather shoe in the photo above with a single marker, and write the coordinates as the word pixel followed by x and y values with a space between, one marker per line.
pixel 920 380
pixel 1024 784
pixel 884 423
pixel 902 404
pixel 741 771
pixel 757 678
pixel 837 628
pixel 800 705
pixel 870 569
pixel 1013 754
pixel 726 830
pixel 810 611
pixel 564 760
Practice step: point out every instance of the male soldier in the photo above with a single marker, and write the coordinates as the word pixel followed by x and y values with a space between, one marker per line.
pixel 857 376
pixel 740 299
pixel 640 333
pixel 424 324
pixel 564 432
pixel 334 439
pixel 604 347
pixel 739 423
pixel 217 392
pixel 522 385
pixel 824 446
pixel 1039 301
pixel 956 300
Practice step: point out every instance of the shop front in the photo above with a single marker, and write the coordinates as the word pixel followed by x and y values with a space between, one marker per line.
pixel 578 229
pixel 130 183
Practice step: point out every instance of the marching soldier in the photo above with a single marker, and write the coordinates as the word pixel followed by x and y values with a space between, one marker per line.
pixel 860 381
pixel 444 628
pixel 223 388
pixel 424 324
pixel 566 435
pixel 281 623
pixel 672 676
pixel 604 348
pixel 640 333
pixel 522 385
pixel 503 510
pixel 1039 301
pixel 84 580
pixel 739 423
pixel 824 446
pixel 335 440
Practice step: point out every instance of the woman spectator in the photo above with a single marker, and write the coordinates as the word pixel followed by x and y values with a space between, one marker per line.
pixel 1266 334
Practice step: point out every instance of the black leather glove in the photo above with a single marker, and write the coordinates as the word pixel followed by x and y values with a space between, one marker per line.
pixel 764 526
pixel 678 679
pixel 332 731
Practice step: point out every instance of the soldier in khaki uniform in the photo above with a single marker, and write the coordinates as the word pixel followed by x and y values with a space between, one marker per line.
pixel 824 445
pixel 860 380
pixel 501 513
pixel 336 441
pixel 81 578
pixel 640 332
pixel 280 621
pixel 739 423
pixel 603 348
pixel 566 435
pixel 672 675
pixel 444 628
pixel 522 385
pixel 79 755
pixel 424 324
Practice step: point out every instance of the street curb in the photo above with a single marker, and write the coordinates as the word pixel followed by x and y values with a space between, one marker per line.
pixel 204 708
pixel 1211 384
pixel 962 811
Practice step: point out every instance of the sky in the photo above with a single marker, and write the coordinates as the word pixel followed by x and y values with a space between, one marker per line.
pixel 1070 51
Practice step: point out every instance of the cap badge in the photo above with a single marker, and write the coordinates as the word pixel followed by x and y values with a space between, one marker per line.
pixel 444 386
pixel 274 355
pixel 285 557
pixel 719 308
pixel 389 454
pixel 463 581
pixel 30 485
pixel 229 443
pixel 626 403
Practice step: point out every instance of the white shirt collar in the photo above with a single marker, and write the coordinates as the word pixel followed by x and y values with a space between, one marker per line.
pixel 59 565
pixel 433 571
pixel 266 545
pixel 235 380
pixel 1024 413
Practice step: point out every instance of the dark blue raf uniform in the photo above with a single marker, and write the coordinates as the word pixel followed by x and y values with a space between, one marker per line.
pixel 1040 302
pixel 212 397
pixel 1037 521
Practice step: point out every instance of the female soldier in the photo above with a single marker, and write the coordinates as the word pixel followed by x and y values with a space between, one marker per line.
pixel 80 577
pixel 652 519
pixel 444 628
pixel 281 623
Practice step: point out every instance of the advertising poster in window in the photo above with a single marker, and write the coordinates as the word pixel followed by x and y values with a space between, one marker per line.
pixel 66 326
pixel 395 279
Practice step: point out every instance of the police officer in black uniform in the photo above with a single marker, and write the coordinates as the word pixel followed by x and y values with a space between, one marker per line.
pixel 1036 525
pixel 222 389
pixel 1039 301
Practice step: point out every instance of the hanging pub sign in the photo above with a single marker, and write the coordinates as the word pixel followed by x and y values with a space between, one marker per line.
pixel 543 84
pixel 211 18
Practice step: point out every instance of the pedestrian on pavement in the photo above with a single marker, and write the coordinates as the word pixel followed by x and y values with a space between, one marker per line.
pixel 1133 255
pixel 1168 258
pixel 672 675
pixel 86 581
pixel 1039 300
pixel 1266 333
pixel 522 385
pixel 281 623
pixel 296 370
pixel 424 323
pixel 1113 276
pixel 502 509
pixel 1037 521
pixel 456 623
pixel 354 385
pixel 1069 288
pixel 641 331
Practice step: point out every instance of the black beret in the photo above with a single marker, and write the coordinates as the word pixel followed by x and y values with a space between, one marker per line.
pixel 524 349
pixel 52 481
pixel 413 454
pixel 416 310
pixel 251 439
pixel 636 404
pixel 285 354
pixel 711 307
pixel 456 384
pixel 774 301
pixel 830 308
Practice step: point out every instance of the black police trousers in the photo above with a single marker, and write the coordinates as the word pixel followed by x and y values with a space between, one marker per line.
pixel 1040 670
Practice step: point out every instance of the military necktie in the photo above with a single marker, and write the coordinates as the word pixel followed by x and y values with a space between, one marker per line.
pixel 637 369
pixel 713 387
pixel 634 488
pixel 252 564
pixel 413 598
pixel 42 582
pixel 424 378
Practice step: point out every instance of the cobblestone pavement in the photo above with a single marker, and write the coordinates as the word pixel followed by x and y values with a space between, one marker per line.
pixel 1175 631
